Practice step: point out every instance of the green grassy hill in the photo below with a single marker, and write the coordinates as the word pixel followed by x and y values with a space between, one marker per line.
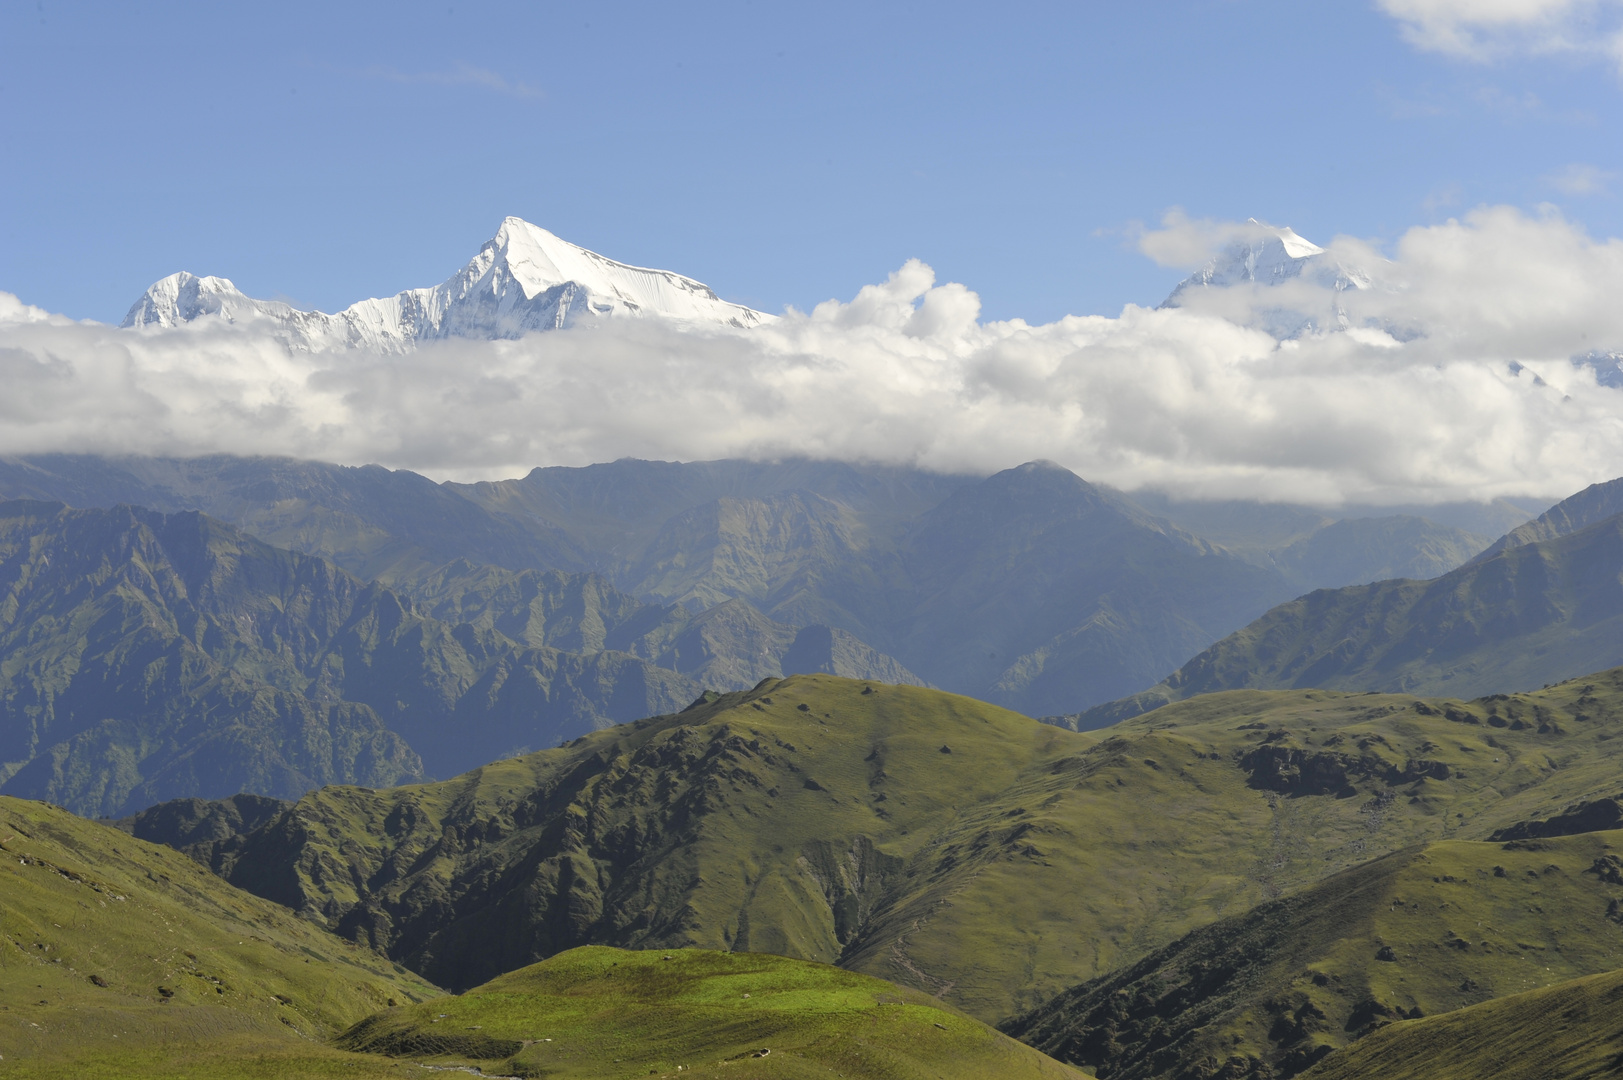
pixel 122 958
pixel 1569 1031
pixel 595 1012
pixel 1528 615
pixel 924 838
pixel 776 821
pixel 1426 930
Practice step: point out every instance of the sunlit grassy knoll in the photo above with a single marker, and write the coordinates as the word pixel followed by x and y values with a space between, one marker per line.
pixel 596 1012
pixel 116 950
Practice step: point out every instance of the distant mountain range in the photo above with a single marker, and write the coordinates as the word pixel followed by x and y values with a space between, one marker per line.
pixel 523 279
pixel 1030 588
pixel 1542 604
pixel 146 656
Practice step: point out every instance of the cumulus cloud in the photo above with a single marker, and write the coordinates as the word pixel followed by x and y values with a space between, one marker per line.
pixel 1453 382
pixel 1484 30
pixel 1186 242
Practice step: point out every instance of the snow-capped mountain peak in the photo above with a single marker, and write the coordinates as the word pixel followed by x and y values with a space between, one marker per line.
pixel 1269 255
pixel 538 261
pixel 1294 245
pixel 180 298
pixel 523 279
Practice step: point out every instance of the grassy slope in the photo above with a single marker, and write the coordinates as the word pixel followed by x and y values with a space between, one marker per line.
pixel 1423 931
pixel 596 1012
pixel 1025 861
pixel 1116 855
pixel 81 902
pixel 1569 1031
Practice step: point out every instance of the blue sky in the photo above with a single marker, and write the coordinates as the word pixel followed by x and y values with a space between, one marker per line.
pixel 783 153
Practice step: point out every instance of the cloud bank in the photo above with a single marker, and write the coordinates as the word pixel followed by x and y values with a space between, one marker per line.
pixel 1454 382
pixel 1485 30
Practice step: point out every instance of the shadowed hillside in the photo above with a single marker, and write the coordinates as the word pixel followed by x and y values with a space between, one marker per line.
pixel 1031 588
pixel 1423 931
pixel 1569 1031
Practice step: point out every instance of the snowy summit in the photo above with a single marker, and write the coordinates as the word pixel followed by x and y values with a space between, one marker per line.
pixel 523 279
pixel 1274 255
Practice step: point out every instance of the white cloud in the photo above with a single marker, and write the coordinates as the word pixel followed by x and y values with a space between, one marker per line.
pixel 1581 180
pixel 1187 242
pixel 1484 30
pixel 905 372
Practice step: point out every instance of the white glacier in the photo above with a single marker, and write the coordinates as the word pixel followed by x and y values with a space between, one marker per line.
pixel 523 279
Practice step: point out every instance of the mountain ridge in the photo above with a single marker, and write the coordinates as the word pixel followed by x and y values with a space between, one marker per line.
pixel 1118 594
pixel 523 279
pixel 923 837
pixel 1533 613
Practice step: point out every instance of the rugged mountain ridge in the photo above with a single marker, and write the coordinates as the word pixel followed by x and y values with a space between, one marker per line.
pixel 146 656
pixel 1122 595
pixel 1592 505
pixel 729 646
pixel 523 279
pixel 1066 589
pixel 120 690
pixel 922 837
pixel 1270 993
pixel 1532 613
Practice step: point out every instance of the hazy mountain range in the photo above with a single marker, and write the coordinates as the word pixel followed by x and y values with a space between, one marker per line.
pixel 1542 604
pixel 1030 588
